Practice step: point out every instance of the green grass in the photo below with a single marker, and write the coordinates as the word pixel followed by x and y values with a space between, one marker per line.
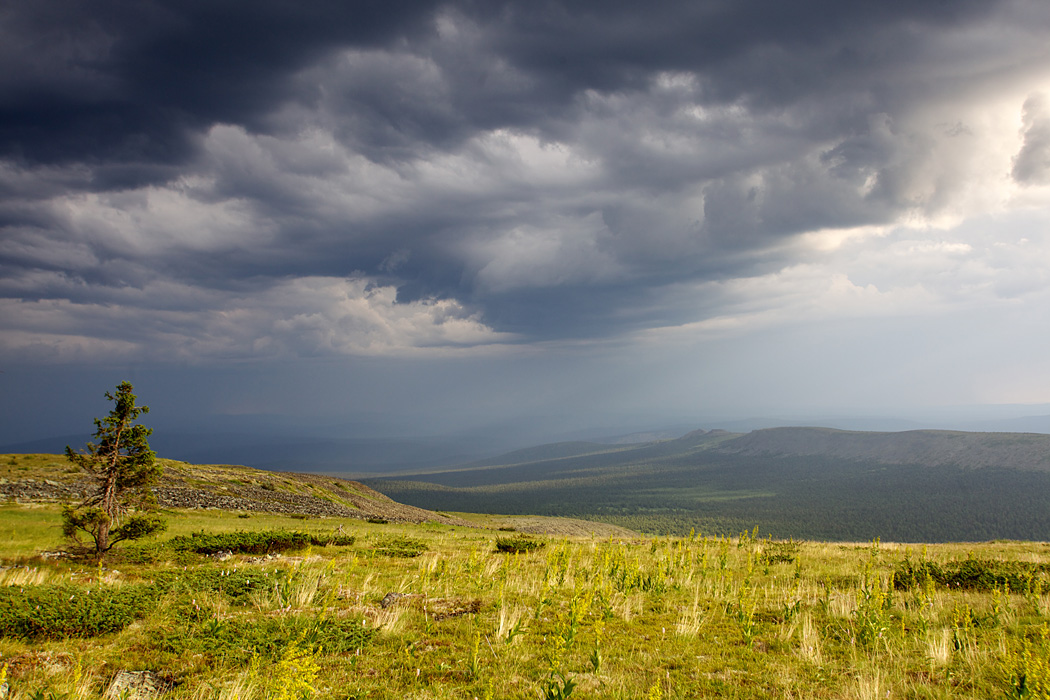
pixel 633 617
pixel 701 495
pixel 26 530
pixel 38 466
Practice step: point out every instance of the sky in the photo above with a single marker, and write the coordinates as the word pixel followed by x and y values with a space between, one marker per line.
pixel 418 218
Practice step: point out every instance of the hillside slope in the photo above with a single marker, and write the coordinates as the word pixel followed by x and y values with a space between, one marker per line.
pixel 1027 451
pixel 50 478
pixel 36 477
pixel 810 483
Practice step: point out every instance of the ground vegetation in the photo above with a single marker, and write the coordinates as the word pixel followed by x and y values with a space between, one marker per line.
pixel 353 609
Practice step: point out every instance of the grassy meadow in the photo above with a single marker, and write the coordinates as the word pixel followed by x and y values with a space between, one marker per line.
pixel 553 617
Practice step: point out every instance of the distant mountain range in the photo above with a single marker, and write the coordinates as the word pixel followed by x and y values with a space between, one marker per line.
pixel 358 449
pixel 808 482
pixel 816 483
pixel 1030 451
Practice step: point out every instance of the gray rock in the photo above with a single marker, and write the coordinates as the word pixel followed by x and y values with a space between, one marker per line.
pixel 136 685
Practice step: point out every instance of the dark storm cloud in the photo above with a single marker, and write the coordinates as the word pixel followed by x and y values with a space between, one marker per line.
pixel 132 82
pixel 606 45
pixel 117 81
pixel 549 169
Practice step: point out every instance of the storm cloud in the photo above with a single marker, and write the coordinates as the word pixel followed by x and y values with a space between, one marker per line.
pixel 188 181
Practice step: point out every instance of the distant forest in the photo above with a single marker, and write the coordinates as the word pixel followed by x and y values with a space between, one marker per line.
pixel 678 486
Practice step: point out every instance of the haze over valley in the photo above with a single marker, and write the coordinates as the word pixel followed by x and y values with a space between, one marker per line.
pixel 516 349
pixel 346 239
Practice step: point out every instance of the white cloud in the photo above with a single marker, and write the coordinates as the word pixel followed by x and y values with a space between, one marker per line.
pixel 999 262
pixel 353 317
pixel 565 250
pixel 1032 163
pixel 306 317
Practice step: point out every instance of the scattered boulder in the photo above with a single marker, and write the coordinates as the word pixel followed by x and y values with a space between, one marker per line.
pixel 437 608
pixel 444 608
pixel 137 685
pixel 242 490
pixel 391 599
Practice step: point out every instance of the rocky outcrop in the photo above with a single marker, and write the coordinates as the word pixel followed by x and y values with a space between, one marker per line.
pixel 241 489
pixel 137 685
pixel 29 490
pixel 287 503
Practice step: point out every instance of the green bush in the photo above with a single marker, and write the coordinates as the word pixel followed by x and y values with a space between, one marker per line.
pixel 779 552
pixel 238 639
pixel 971 574
pixel 237 586
pixel 265 542
pixel 150 553
pixel 60 611
pixel 400 546
pixel 518 544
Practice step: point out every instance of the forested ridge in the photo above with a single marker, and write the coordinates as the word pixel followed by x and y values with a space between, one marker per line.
pixel 723 483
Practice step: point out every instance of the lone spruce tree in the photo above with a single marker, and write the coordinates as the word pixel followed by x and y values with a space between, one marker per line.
pixel 124 467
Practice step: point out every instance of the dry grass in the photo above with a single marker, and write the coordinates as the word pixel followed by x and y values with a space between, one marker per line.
pixel 674 618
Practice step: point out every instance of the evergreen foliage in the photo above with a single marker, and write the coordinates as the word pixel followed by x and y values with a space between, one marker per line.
pixel 972 574
pixel 519 544
pixel 65 610
pixel 266 542
pixel 124 467
pixel 400 546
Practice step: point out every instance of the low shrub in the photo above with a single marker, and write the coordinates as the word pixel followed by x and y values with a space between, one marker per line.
pixel 971 574
pixel 237 586
pixel 400 546
pixel 518 544
pixel 779 552
pixel 149 553
pixel 60 611
pixel 263 542
pixel 237 639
